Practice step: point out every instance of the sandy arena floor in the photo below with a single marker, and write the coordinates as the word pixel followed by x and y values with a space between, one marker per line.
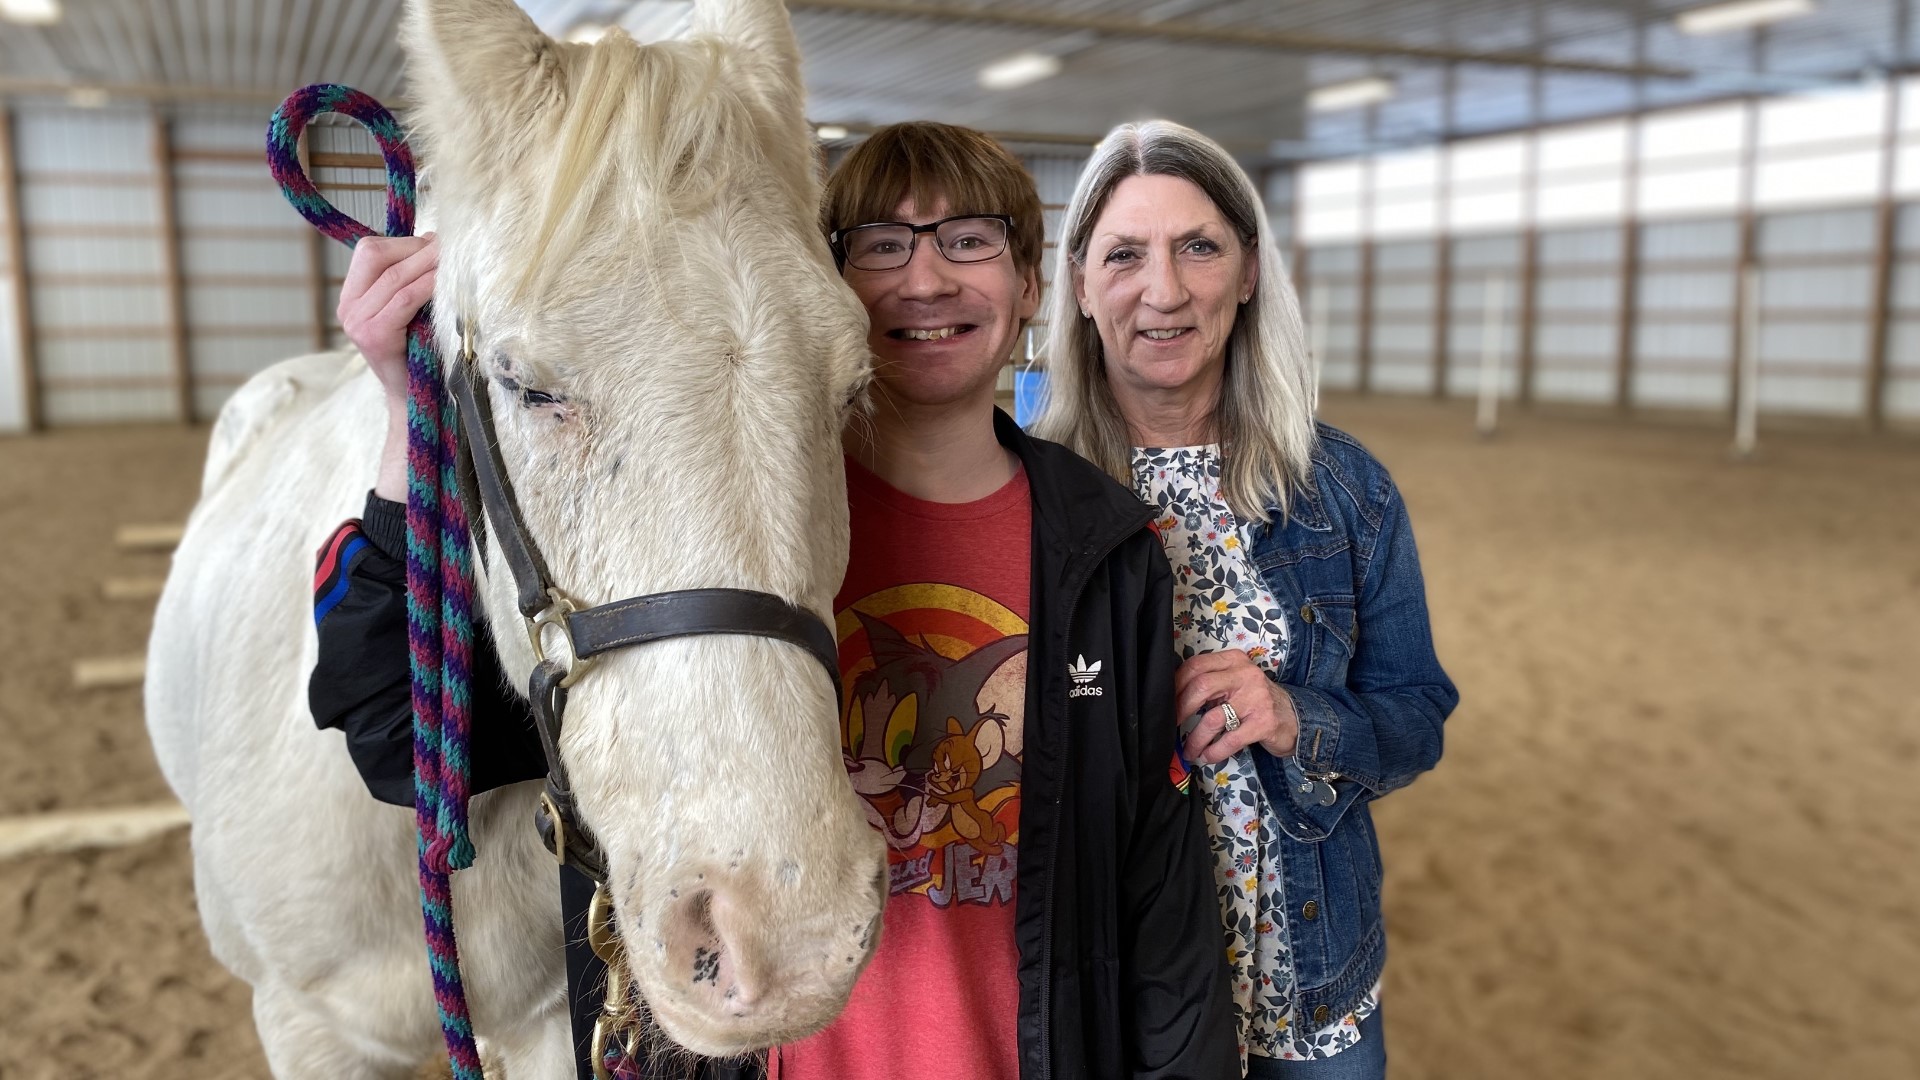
pixel 1676 832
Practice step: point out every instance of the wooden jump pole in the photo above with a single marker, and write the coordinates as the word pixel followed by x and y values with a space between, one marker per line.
pixel 1746 404
pixel 1487 421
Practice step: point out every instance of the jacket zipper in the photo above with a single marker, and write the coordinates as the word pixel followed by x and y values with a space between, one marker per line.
pixel 1053 862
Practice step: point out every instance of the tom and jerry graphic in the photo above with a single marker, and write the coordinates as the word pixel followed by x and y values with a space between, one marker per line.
pixel 933 727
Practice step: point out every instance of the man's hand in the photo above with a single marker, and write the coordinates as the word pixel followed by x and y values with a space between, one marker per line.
pixel 388 282
pixel 1265 710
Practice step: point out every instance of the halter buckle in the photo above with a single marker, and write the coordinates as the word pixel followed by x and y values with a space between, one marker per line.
pixel 554 617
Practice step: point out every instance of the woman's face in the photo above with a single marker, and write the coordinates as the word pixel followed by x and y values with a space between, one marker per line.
pixel 1163 280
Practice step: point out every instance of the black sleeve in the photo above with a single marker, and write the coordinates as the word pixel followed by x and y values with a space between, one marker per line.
pixel 1175 961
pixel 361 683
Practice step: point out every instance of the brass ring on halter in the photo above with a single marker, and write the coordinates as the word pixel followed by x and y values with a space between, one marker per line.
pixel 559 824
pixel 1233 718
pixel 600 931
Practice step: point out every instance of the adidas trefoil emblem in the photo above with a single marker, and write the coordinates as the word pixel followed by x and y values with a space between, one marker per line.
pixel 1083 674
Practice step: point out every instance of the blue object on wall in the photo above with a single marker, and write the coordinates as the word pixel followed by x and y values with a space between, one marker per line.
pixel 1029 389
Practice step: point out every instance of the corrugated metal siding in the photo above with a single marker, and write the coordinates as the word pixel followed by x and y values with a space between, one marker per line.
pixel 245 256
pixel 1903 330
pixel 1683 348
pixel 1576 315
pixel 1477 262
pixel 101 282
pixel 1402 315
pixel 90 207
pixel 1333 287
pixel 1816 296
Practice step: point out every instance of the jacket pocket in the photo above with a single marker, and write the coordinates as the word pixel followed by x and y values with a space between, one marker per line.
pixel 1331 630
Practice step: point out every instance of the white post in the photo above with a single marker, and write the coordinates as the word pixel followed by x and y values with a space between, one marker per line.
pixel 1494 291
pixel 1317 336
pixel 1746 403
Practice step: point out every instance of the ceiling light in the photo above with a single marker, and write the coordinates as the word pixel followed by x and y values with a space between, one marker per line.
pixel 30 12
pixel 587 33
pixel 1350 94
pixel 87 97
pixel 830 132
pixel 1740 15
pixel 1019 70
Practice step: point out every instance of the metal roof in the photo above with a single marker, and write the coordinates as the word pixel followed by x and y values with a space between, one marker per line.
pixel 1238 69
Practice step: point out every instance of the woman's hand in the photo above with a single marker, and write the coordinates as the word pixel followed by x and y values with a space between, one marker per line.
pixel 388 282
pixel 1265 711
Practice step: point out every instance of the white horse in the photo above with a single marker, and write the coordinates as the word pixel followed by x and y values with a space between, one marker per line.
pixel 632 232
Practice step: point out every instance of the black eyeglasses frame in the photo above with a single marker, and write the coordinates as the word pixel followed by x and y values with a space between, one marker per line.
pixel 837 238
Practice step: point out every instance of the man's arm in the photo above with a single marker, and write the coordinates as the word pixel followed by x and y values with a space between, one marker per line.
pixel 362 684
pixel 1175 973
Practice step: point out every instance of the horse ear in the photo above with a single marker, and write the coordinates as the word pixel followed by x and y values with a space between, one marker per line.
pixel 763 30
pixel 479 59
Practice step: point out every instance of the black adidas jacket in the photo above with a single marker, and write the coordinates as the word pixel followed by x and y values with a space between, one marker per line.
pixel 1122 969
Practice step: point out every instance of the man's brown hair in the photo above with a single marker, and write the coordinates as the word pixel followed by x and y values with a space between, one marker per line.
pixel 924 161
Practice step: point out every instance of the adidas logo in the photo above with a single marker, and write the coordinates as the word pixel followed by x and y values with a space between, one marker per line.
pixel 1083 674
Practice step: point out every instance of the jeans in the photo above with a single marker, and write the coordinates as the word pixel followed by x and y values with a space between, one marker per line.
pixel 1365 1060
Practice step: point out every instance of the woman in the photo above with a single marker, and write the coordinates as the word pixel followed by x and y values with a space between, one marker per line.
pixel 1176 362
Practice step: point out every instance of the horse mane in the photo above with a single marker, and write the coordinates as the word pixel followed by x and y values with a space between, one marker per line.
pixel 646 124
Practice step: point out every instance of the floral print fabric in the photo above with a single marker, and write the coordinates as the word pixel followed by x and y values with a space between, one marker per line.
pixel 1220 602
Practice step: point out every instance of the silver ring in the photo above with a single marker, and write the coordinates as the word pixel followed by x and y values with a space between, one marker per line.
pixel 1233 718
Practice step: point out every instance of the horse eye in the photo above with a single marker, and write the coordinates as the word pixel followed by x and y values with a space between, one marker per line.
pixel 533 399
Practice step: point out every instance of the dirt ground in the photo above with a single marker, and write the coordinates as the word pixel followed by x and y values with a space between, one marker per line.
pixel 1676 832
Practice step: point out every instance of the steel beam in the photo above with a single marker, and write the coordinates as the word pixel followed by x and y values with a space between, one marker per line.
pixel 174 286
pixel 16 241
pixel 1242 37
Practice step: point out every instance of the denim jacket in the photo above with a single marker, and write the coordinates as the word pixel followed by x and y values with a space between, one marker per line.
pixel 1371 698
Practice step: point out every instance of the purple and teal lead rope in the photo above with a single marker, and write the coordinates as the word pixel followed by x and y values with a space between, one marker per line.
pixel 439 561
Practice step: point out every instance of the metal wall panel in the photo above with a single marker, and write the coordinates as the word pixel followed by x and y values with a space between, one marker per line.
pixel 1685 293
pixel 1333 287
pixel 248 291
pixel 1903 319
pixel 1476 262
pixel 91 212
pixel 1576 327
pixel 1401 338
pixel 1816 303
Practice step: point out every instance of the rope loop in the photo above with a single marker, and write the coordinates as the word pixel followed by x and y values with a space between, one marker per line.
pixel 440 590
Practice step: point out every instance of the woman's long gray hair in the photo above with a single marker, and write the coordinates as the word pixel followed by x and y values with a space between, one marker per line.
pixel 1264 420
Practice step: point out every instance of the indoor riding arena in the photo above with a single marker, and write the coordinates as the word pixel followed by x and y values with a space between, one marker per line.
pixel 1626 295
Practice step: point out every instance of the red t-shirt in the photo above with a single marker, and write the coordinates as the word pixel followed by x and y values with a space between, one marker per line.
pixel 932 623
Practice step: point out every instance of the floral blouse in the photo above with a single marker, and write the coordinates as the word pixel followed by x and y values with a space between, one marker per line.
pixel 1220 602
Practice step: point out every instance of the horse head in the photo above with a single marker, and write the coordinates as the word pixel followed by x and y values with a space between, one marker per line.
pixel 629 233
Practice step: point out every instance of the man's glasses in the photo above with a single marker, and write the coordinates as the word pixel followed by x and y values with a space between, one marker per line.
pixel 888 245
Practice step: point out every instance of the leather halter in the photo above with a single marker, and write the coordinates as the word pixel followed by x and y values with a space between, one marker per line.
pixel 551 614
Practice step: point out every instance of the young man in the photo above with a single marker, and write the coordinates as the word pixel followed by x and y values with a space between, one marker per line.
pixel 1007 668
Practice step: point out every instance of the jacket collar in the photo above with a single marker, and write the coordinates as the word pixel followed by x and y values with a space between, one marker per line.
pixel 1078 509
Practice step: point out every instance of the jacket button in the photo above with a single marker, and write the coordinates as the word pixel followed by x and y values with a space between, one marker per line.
pixel 1307 614
pixel 1310 910
pixel 1319 1017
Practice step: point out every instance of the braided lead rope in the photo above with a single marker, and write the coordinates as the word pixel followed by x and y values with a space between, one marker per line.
pixel 439 568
